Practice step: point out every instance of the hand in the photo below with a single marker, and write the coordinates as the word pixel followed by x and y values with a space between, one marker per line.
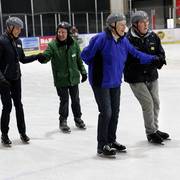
pixel 4 83
pixel 159 62
pixel 41 58
pixel 84 78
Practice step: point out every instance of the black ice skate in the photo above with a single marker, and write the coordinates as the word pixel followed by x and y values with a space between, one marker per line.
pixel 64 127
pixel 118 147
pixel 24 138
pixel 79 123
pixel 164 136
pixel 5 140
pixel 107 151
pixel 155 138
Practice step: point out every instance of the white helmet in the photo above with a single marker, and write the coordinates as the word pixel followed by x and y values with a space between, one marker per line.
pixel 138 16
pixel 113 18
pixel 14 21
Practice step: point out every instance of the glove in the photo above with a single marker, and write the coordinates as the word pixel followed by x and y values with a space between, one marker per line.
pixel 159 62
pixel 84 78
pixel 41 58
pixel 4 83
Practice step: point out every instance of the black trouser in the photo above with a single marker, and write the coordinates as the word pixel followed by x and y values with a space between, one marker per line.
pixel 7 95
pixel 63 94
pixel 108 101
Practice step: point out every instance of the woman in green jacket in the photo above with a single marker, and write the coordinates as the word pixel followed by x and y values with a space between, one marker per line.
pixel 64 53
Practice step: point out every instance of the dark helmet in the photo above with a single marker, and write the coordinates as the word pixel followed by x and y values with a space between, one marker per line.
pixel 64 25
pixel 14 21
pixel 138 16
pixel 113 18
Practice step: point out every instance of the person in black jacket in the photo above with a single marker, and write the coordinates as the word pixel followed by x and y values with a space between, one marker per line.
pixel 143 79
pixel 11 53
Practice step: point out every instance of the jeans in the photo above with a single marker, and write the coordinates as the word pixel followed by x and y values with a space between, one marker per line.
pixel 108 101
pixel 7 95
pixel 63 94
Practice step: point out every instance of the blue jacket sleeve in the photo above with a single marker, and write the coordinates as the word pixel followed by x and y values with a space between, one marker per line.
pixel 143 57
pixel 89 52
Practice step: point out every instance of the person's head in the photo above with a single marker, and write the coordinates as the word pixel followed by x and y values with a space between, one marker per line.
pixel 116 23
pixel 140 21
pixel 14 25
pixel 62 31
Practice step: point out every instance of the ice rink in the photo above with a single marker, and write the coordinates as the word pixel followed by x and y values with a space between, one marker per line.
pixel 52 155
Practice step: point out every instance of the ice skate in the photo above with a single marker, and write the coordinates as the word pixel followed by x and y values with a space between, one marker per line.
pixel 107 151
pixel 79 123
pixel 24 138
pixel 64 127
pixel 164 136
pixel 118 147
pixel 155 138
pixel 5 140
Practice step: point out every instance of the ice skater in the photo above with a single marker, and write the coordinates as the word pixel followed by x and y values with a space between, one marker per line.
pixel 143 79
pixel 105 56
pixel 64 53
pixel 11 53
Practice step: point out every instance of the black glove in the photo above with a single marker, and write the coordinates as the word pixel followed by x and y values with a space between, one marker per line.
pixel 4 83
pixel 159 62
pixel 84 78
pixel 41 58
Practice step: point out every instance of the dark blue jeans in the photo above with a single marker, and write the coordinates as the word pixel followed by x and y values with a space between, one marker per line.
pixel 108 101
pixel 63 94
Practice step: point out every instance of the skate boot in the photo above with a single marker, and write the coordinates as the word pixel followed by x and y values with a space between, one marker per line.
pixel 155 138
pixel 163 135
pixel 24 138
pixel 5 140
pixel 119 147
pixel 107 151
pixel 79 123
pixel 63 126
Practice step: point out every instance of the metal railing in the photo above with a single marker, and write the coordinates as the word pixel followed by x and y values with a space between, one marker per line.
pixel 44 24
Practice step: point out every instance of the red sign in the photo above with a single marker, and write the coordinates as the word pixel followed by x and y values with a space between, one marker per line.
pixel 178 8
pixel 43 41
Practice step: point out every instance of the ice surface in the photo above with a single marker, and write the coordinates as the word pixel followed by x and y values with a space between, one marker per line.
pixel 52 155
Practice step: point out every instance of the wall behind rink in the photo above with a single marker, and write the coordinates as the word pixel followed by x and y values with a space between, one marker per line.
pixel 34 45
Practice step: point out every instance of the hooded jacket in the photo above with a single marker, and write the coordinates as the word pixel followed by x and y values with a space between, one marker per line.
pixel 134 71
pixel 65 61
pixel 11 53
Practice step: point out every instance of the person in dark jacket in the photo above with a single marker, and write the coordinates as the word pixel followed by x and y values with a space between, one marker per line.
pixel 11 53
pixel 106 56
pixel 64 53
pixel 143 79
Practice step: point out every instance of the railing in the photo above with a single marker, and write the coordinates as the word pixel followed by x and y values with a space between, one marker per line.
pixel 87 22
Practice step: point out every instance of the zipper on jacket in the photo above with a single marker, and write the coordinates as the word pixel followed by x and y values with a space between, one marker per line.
pixel 6 68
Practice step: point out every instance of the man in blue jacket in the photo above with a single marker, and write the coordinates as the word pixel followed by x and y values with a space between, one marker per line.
pixel 105 56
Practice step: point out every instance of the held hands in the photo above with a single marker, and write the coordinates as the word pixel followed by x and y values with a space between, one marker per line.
pixel 84 78
pixel 159 62
pixel 41 58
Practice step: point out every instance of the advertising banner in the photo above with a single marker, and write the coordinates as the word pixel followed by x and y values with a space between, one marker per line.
pixel 178 8
pixel 43 42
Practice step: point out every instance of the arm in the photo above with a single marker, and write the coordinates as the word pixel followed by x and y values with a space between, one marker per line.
pixel 89 52
pixel 143 57
pixel 41 57
pixel 3 81
pixel 79 62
